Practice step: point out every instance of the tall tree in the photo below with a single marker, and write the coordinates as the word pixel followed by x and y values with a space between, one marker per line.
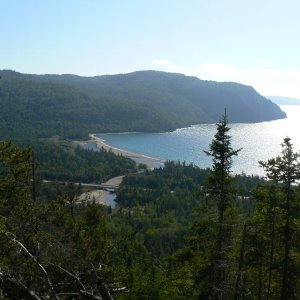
pixel 264 242
pixel 221 189
pixel 285 169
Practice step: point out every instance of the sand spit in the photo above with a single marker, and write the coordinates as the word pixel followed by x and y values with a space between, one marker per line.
pixel 150 162
pixel 97 196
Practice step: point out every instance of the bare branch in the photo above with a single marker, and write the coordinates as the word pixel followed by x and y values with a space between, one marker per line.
pixel 15 289
pixel 103 288
pixel 15 241
pixel 90 295
pixel 70 274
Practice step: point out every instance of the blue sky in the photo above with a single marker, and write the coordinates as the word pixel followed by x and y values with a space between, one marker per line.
pixel 252 42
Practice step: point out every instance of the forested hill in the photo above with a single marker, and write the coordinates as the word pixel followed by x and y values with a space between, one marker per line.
pixel 73 106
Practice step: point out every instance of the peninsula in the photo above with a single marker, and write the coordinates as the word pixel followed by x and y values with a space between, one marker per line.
pixel 41 106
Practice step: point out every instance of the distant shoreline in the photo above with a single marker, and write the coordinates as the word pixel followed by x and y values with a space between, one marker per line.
pixel 150 162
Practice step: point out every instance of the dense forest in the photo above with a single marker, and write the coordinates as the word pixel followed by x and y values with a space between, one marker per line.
pixel 60 160
pixel 39 106
pixel 177 233
pixel 35 109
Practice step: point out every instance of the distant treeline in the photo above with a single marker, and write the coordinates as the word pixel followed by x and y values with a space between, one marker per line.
pixel 35 106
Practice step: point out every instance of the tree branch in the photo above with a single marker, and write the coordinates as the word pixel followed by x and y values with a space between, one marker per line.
pixel 70 274
pixel 15 289
pixel 15 241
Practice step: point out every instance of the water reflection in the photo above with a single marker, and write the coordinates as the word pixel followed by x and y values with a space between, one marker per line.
pixel 259 141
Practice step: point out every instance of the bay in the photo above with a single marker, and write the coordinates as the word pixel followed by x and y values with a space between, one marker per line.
pixel 259 141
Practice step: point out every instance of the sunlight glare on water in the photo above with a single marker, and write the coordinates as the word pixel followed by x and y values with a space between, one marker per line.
pixel 259 141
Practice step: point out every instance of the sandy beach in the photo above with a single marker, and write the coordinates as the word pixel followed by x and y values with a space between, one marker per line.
pixel 100 196
pixel 150 162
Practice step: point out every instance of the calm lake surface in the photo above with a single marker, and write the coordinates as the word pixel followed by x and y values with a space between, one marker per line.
pixel 259 141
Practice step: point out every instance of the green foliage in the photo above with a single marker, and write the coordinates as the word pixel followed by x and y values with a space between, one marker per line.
pixel 65 162
pixel 160 207
pixel 48 249
pixel 15 186
pixel 220 181
pixel 221 194
pixel 285 169
pixel 173 185
pixel 35 106
pixel 264 245
pixel 179 232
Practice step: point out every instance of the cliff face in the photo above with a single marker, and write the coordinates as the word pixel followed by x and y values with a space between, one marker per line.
pixel 71 105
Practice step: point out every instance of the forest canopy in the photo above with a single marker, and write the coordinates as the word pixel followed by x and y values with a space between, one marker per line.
pixel 178 232
pixel 35 106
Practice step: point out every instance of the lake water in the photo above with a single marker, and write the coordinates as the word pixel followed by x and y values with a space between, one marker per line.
pixel 259 141
pixel 110 200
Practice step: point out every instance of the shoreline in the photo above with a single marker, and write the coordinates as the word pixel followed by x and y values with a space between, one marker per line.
pixel 150 162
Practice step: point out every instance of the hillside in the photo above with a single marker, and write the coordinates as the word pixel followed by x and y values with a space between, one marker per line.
pixel 73 106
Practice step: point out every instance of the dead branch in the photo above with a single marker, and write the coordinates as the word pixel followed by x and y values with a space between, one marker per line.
pixel 104 290
pixel 13 239
pixel 88 295
pixel 15 289
pixel 70 274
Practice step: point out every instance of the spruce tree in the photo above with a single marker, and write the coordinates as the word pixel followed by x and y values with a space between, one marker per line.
pixel 285 170
pixel 221 189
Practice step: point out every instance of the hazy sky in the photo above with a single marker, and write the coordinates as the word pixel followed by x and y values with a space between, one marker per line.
pixel 255 42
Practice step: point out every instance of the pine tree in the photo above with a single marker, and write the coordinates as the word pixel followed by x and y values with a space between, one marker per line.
pixel 264 243
pixel 285 170
pixel 221 189
pixel 65 256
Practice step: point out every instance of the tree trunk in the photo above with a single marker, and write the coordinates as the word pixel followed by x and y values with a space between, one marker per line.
pixel 241 264
pixel 271 257
pixel 285 291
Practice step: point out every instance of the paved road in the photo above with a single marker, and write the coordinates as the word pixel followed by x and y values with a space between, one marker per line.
pixel 114 182
pixel 111 183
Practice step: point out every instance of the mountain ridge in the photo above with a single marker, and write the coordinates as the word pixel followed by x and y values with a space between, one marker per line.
pixel 73 106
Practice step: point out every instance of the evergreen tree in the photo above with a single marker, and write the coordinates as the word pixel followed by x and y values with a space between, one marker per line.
pixel 49 249
pixel 285 170
pixel 221 189
pixel 213 232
